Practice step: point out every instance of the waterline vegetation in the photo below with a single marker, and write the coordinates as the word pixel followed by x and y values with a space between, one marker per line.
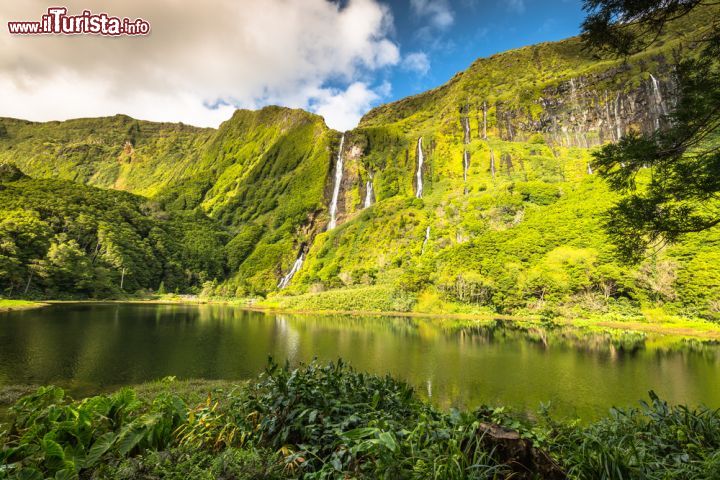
pixel 329 421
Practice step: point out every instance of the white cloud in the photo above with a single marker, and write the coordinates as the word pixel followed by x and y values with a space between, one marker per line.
pixel 516 5
pixel 439 12
pixel 217 52
pixel 343 109
pixel 417 62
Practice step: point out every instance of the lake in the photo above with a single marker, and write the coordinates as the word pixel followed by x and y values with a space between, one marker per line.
pixel 90 348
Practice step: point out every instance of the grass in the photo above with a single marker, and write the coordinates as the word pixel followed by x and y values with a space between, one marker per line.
pixel 11 305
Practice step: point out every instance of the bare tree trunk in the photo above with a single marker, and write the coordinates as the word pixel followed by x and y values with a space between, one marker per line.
pixel 122 278
pixel 27 285
pixel 95 253
pixel 492 163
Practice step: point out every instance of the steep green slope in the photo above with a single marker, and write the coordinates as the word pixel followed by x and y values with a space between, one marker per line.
pixel 269 177
pixel 116 152
pixel 510 215
pixel 261 174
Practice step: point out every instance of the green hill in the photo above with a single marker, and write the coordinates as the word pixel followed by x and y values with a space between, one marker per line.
pixel 509 219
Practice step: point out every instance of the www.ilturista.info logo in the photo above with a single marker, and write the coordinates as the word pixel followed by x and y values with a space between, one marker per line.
pixel 58 22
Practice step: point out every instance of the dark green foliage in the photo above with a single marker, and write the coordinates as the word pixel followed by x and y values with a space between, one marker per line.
pixel 680 195
pixel 329 421
pixel 185 464
pixel 59 238
pixel 605 27
pixel 53 436
pixel 242 245
pixel 538 192
pixel 657 441
pixel 322 421
pixel 9 172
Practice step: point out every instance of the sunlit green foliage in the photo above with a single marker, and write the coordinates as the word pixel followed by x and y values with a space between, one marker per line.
pixel 329 421
pixel 657 441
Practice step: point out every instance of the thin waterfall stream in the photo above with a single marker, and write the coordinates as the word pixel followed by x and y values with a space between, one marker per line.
pixel 285 281
pixel 338 183
pixel 421 160
pixel 425 241
pixel 368 193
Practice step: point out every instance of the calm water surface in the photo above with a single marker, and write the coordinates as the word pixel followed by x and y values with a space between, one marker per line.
pixel 93 348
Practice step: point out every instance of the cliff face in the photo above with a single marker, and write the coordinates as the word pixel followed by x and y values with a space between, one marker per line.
pixel 583 112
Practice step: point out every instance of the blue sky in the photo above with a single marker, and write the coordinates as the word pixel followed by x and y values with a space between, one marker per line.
pixel 454 33
pixel 202 60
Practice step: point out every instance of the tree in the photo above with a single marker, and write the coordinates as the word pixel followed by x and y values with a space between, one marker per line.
pixel 65 267
pixel 681 193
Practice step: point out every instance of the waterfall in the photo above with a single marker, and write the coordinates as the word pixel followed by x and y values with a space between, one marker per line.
pixel 659 102
pixel 658 95
pixel 618 120
pixel 338 182
pixel 589 169
pixel 466 129
pixel 492 163
pixel 295 268
pixel 427 237
pixel 484 120
pixel 419 192
pixel 368 193
pixel 607 114
pixel 466 164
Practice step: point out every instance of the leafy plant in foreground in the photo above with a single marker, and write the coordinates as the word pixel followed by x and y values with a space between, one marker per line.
pixel 655 441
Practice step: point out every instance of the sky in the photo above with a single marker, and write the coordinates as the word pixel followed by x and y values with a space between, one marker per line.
pixel 202 60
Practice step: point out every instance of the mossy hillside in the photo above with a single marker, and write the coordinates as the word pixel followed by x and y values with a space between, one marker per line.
pixel 524 230
pixel 275 201
pixel 262 174
pixel 527 239
pixel 115 152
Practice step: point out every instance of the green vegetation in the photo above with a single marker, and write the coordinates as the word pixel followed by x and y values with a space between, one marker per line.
pixel 250 185
pixel 681 196
pixel 61 239
pixel 521 232
pixel 369 299
pixel 9 305
pixel 329 421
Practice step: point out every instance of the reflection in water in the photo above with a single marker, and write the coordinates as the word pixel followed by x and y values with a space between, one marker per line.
pixel 88 348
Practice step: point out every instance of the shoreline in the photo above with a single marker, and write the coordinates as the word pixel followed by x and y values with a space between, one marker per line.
pixel 19 305
pixel 684 328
